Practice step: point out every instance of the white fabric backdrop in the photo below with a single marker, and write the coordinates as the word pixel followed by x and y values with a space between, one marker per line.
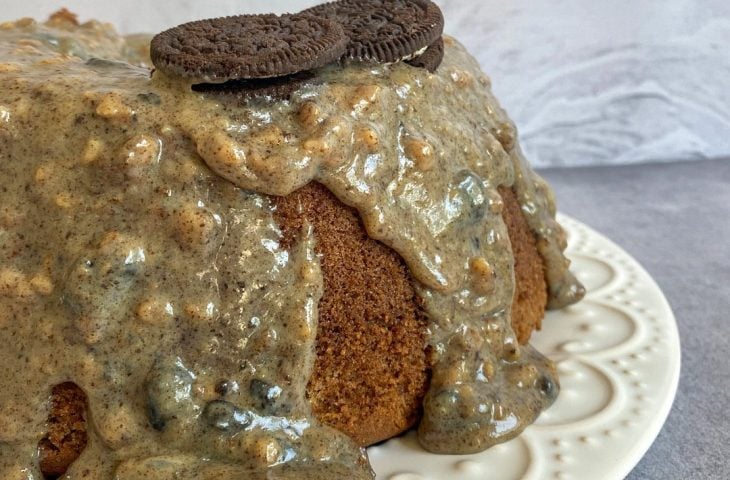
pixel 587 81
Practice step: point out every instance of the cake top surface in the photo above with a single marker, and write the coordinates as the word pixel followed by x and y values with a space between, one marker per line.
pixel 144 263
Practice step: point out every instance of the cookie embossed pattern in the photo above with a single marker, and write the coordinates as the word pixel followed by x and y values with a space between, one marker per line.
pixel 618 357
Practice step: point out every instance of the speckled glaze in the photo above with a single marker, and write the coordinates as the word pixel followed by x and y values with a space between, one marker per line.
pixel 144 263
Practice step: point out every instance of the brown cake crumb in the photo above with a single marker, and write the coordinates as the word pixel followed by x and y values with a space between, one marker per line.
pixel 66 437
pixel 371 370
pixel 530 300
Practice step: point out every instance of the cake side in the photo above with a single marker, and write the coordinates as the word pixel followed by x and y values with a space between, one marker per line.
pixel 372 367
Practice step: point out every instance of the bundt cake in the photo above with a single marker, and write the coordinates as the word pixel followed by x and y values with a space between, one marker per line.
pixel 256 276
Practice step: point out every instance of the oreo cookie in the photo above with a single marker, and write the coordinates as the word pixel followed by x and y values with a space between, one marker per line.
pixel 241 91
pixel 248 47
pixel 431 58
pixel 385 31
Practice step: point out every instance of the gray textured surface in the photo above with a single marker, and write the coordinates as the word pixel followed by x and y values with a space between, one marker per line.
pixel 675 220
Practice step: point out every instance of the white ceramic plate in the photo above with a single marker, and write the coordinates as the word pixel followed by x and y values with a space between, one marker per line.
pixel 618 357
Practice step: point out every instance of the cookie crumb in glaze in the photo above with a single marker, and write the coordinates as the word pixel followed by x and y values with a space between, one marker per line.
pixel 119 241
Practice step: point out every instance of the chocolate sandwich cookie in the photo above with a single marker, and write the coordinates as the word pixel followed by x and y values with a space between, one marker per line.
pixel 276 89
pixel 385 31
pixel 248 47
pixel 431 58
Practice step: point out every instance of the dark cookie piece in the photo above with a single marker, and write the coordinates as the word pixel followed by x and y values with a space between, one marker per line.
pixel 248 47
pixel 431 58
pixel 385 31
pixel 241 91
